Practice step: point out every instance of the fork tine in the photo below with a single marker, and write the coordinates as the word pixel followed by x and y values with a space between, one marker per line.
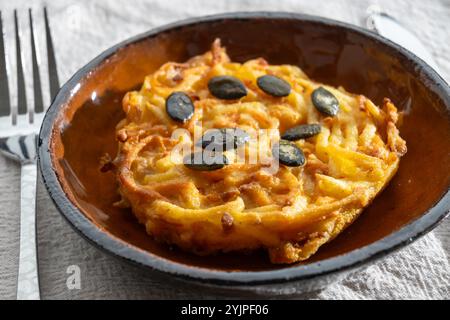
pixel 5 104
pixel 38 100
pixel 52 70
pixel 21 93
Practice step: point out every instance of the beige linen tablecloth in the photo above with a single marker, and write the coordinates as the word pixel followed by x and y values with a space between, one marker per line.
pixel 81 30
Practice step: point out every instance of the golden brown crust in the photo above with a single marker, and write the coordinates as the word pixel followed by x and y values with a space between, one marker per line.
pixel 290 212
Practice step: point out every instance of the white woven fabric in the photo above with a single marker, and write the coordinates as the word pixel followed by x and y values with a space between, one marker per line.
pixel 81 30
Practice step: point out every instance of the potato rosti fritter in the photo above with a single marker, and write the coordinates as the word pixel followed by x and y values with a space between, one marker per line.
pixel 327 154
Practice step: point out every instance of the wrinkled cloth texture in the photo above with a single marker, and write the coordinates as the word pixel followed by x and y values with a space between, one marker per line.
pixel 83 29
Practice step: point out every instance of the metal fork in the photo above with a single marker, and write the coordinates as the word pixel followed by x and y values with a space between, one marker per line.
pixel 18 131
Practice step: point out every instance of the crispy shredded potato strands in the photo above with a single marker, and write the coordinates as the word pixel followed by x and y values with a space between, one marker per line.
pixel 292 212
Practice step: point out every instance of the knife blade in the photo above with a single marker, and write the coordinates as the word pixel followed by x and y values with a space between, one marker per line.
pixel 388 27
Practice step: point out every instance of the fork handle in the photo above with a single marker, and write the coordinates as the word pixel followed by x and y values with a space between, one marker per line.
pixel 28 280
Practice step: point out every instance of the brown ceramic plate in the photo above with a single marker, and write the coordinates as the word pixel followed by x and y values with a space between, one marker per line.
pixel 79 128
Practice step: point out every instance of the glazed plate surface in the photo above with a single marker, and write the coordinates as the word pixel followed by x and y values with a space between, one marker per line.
pixel 80 127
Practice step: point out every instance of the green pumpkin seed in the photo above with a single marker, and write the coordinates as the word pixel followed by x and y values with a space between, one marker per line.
pixel 288 154
pixel 227 87
pixel 223 139
pixel 302 131
pixel 274 86
pixel 179 106
pixel 205 161
pixel 325 101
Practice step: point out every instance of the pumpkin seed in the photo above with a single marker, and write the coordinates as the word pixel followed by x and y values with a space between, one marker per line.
pixel 223 139
pixel 205 161
pixel 325 101
pixel 274 86
pixel 302 131
pixel 179 106
pixel 288 154
pixel 227 87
